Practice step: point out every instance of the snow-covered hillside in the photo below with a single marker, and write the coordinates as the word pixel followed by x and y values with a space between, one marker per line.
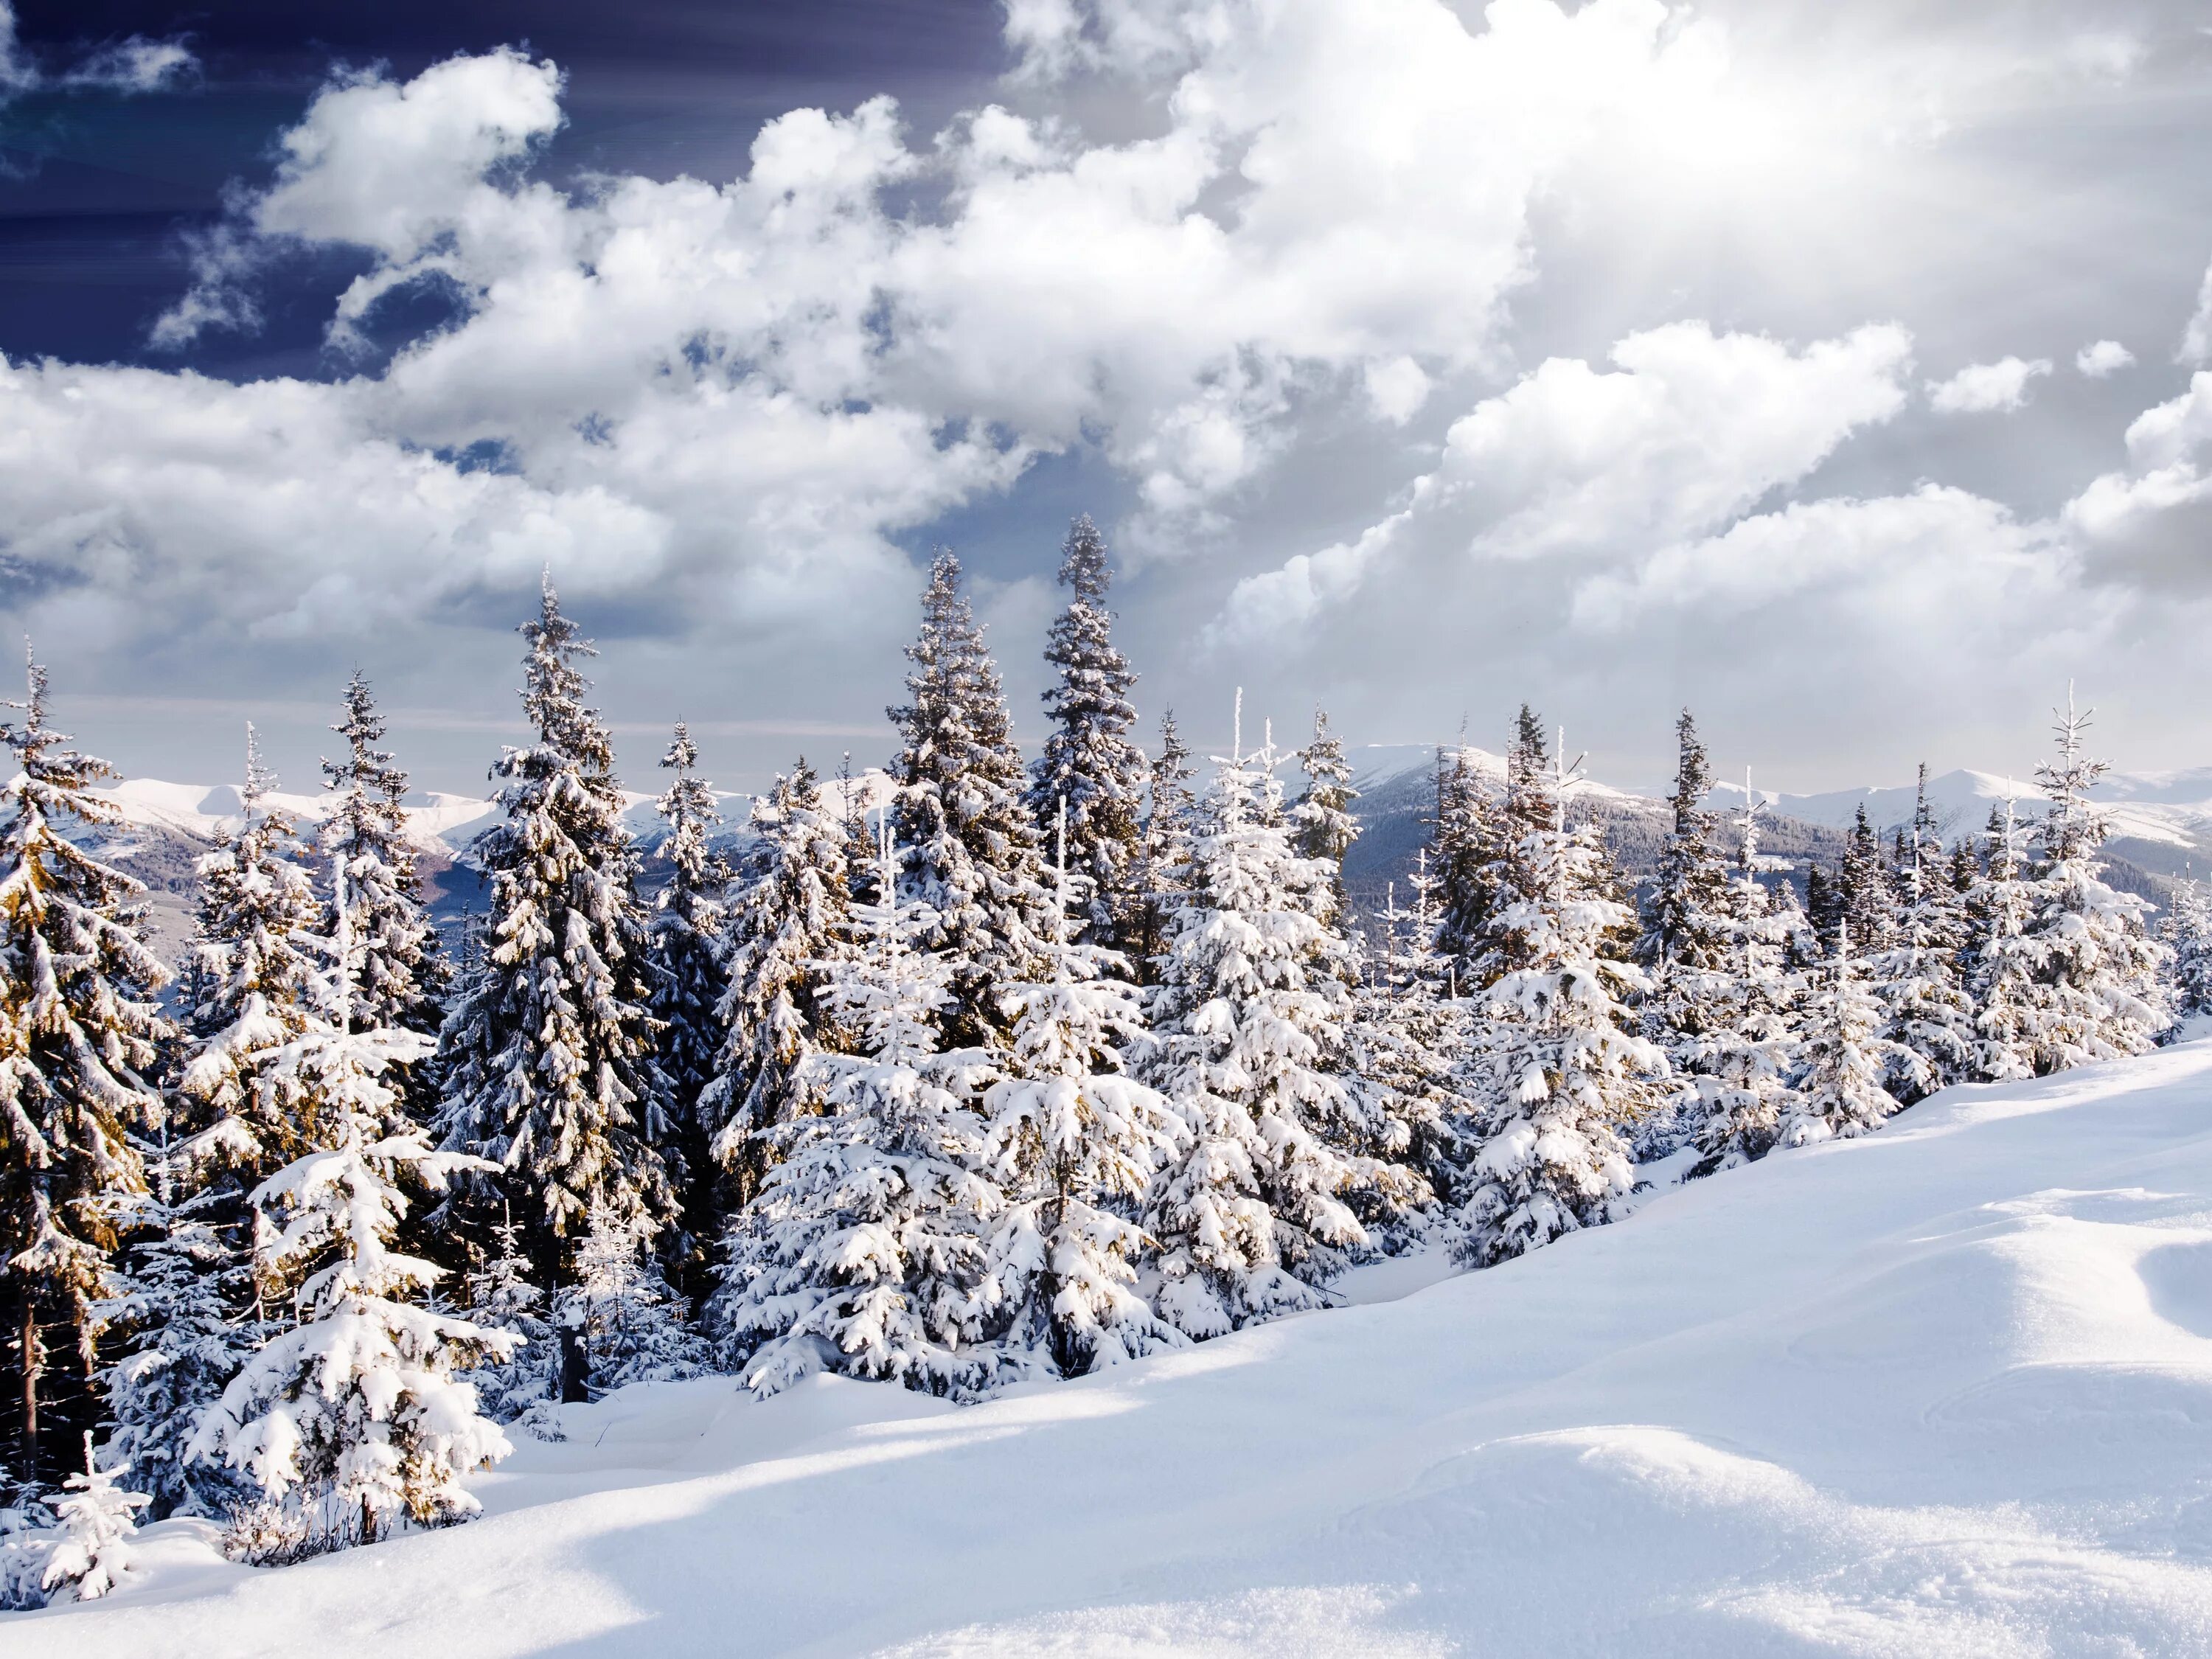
pixel 1941 1391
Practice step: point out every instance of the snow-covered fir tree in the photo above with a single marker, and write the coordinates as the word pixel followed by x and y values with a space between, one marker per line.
pixel 399 973
pixel 1687 947
pixel 502 1296
pixel 1918 978
pixel 1089 760
pixel 1249 1044
pixel 632 1321
pixel 1742 1075
pixel 1842 1059
pixel 972 848
pixel 864 1251
pixel 1073 1141
pixel 1565 1067
pixel 2190 929
pixel 1164 856
pixel 258 965
pixel 178 1315
pixel 1866 896
pixel 688 983
pixel 549 1052
pixel 1404 1042
pixel 79 1033
pixel 99 1525
pixel 786 925
pixel 2002 962
pixel 1323 827
pixel 354 1421
pixel 2100 971
pixel 1469 851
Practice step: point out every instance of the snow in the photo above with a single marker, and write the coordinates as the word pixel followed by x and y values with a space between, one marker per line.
pixel 1938 1391
pixel 2174 808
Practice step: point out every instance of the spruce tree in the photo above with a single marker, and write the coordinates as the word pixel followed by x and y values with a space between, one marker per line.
pixel 1566 1069
pixel 631 1320
pixel 1322 823
pixel 785 925
pixel 1742 1080
pixel 1164 856
pixel 2003 962
pixel 1405 1041
pixel 2190 941
pixel 689 984
pixel 1248 1045
pixel 1866 899
pixel 1072 1141
pixel 1917 979
pixel 177 1310
pixel 1839 1090
pixel 864 1251
pixel 1686 947
pixel 971 845
pixel 1468 846
pixel 502 1296
pixel 257 979
pixel 399 973
pixel 2100 971
pixel 99 1522
pixel 548 1055
pixel 1089 760
pixel 79 1034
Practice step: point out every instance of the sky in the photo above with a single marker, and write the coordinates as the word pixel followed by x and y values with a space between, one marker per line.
pixel 1839 373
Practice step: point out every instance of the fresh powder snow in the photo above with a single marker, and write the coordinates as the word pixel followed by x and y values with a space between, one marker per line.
pixel 1936 1391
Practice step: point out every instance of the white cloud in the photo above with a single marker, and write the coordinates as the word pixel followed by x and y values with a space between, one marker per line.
pixel 2102 358
pixel 133 65
pixel 1986 388
pixel 1689 429
pixel 2196 339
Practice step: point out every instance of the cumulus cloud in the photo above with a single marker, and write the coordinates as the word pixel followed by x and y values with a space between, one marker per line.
pixel 1687 430
pixel 2196 339
pixel 1986 388
pixel 2151 523
pixel 2102 358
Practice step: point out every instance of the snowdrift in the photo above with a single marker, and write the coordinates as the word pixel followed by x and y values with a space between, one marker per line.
pixel 1947 1390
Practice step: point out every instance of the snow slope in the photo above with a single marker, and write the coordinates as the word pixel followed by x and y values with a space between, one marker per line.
pixel 1947 1390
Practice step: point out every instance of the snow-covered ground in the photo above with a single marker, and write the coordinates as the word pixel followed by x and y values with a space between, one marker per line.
pixel 1947 1390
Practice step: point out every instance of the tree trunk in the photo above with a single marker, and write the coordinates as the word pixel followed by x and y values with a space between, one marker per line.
pixel 33 1358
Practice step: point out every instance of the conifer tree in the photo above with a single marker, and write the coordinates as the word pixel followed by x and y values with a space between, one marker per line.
pixel 399 973
pixel 1842 1059
pixel 632 1320
pixel 2099 969
pixel 1164 859
pixel 864 1253
pixel 1071 1138
pixel 503 1297
pixel 1686 946
pixel 98 1524
pixel 1565 1069
pixel 1742 1079
pixel 1917 979
pixel 786 926
pixel 1090 760
pixel 688 982
pixel 1469 848
pixel 257 953
pixel 1405 1039
pixel 972 848
pixel 2190 941
pixel 179 1309
pixel 353 1420
pixel 1866 899
pixel 1323 827
pixel 2003 962
pixel 1249 1044
pixel 79 1033
pixel 1824 910
pixel 548 1055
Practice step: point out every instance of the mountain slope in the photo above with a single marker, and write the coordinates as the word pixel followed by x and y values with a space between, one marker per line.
pixel 1941 1391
